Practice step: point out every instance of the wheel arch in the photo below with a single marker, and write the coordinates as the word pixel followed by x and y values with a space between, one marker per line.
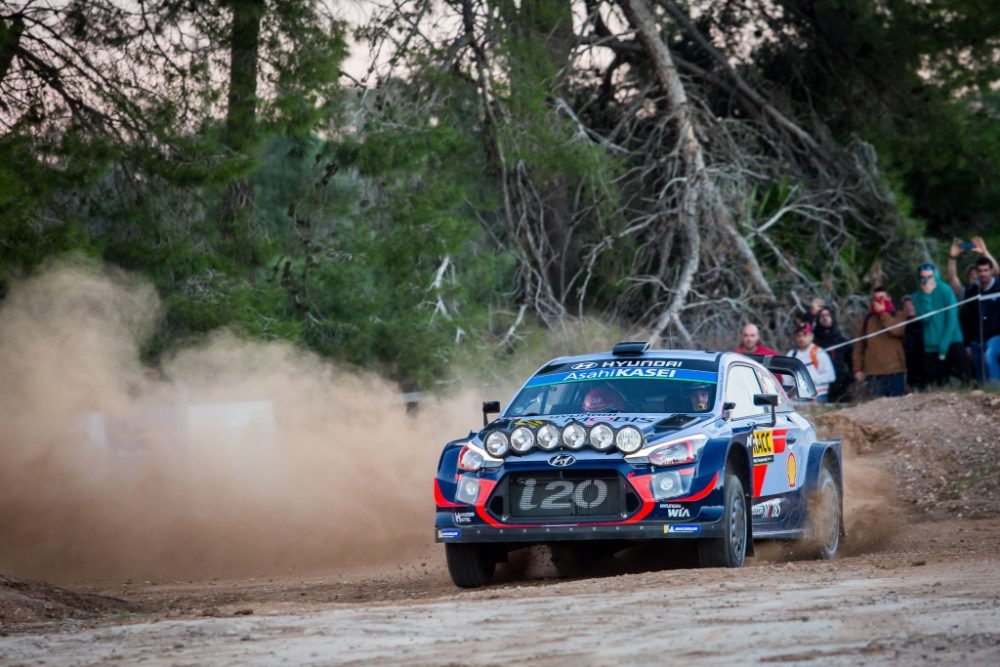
pixel 826 453
pixel 738 460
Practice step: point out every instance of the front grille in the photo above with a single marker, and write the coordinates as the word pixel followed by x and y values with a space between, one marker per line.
pixel 563 495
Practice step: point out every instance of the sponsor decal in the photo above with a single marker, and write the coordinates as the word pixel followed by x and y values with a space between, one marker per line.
pixel 562 460
pixel 594 417
pixel 792 470
pixel 463 517
pixel 584 365
pixel 449 533
pixel 762 446
pixel 641 363
pixel 678 513
pixel 681 529
pixel 624 373
pixel 534 423
pixel 769 509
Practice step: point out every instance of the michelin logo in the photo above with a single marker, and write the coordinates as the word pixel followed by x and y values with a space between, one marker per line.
pixel 682 529
pixel 449 534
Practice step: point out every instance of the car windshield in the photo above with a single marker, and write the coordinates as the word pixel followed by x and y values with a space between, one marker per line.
pixel 585 387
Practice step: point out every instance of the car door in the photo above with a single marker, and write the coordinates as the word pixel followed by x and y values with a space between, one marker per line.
pixel 786 470
pixel 750 421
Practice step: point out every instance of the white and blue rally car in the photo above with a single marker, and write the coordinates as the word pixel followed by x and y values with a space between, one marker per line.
pixel 639 444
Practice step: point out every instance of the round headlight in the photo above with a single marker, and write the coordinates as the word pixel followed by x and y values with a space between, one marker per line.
pixel 629 440
pixel 496 443
pixel 522 439
pixel 548 437
pixel 574 436
pixel 602 437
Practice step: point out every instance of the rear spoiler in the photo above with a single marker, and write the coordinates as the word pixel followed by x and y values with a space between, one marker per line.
pixel 789 367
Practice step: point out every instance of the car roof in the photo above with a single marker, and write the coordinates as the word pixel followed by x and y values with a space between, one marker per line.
pixel 700 355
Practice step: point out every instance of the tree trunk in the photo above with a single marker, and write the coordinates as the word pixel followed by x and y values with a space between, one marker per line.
pixel 241 113
pixel 702 203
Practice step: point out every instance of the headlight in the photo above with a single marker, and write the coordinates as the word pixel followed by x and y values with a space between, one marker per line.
pixel 602 437
pixel 467 491
pixel 548 437
pixel 670 484
pixel 522 439
pixel 470 459
pixel 496 444
pixel 677 452
pixel 574 436
pixel 629 440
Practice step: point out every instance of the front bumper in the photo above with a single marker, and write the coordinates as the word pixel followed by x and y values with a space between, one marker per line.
pixel 647 530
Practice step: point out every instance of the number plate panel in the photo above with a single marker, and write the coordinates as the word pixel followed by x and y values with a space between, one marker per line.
pixel 551 495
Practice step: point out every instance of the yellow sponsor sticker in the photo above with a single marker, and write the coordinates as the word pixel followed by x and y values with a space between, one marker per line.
pixel 762 446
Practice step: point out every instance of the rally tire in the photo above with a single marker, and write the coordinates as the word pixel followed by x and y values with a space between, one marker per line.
pixel 470 565
pixel 825 517
pixel 730 549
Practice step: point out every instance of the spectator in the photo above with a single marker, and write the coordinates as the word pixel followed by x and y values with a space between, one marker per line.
pixel 750 342
pixel 880 361
pixel 944 354
pixel 811 316
pixel 826 334
pixel 986 323
pixel 816 360
pixel 968 314
pixel 913 346
pixel 979 247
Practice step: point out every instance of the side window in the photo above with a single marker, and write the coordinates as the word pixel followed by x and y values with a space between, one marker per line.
pixel 771 386
pixel 741 385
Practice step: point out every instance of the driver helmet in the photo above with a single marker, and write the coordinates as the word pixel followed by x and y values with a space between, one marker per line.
pixel 700 395
pixel 603 399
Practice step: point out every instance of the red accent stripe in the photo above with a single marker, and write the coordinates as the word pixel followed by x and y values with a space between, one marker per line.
pixel 778 437
pixel 644 488
pixel 701 494
pixel 758 479
pixel 439 498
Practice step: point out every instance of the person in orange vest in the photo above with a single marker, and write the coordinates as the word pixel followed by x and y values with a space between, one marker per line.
pixel 815 358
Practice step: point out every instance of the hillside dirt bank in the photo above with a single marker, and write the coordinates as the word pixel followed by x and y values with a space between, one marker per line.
pixel 919 583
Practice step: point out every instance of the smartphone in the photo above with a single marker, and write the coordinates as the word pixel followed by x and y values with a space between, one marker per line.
pixel 966 246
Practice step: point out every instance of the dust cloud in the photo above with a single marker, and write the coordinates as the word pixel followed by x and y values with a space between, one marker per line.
pixel 232 457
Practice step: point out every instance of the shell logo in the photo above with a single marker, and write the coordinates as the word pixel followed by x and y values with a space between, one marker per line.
pixel 792 470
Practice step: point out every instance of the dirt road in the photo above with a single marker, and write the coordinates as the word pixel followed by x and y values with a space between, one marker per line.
pixel 932 595
pixel 919 583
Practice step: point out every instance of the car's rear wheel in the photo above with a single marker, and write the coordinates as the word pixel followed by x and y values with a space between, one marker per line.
pixel 470 565
pixel 825 516
pixel 730 549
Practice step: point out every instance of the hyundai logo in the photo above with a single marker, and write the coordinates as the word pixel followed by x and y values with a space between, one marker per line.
pixel 584 365
pixel 562 460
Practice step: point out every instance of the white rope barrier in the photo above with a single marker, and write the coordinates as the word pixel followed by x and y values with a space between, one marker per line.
pixel 978 297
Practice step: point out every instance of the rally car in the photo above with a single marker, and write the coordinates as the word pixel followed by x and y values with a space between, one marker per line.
pixel 638 444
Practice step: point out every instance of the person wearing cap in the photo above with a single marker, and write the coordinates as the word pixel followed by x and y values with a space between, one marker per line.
pixel 815 358
pixel 944 354
pixel 880 361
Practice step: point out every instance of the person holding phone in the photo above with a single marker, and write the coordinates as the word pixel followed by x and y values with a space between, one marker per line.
pixel 958 246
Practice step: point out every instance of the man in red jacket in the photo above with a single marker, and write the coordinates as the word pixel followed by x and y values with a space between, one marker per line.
pixel 750 342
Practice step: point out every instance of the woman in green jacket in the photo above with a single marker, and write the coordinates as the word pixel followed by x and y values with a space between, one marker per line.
pixel 944 354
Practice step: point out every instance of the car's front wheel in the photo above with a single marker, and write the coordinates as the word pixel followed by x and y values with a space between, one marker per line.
pixel 730 549
pixel 470 565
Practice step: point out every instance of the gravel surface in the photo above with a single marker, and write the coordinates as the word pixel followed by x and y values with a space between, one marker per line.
pixel 919 583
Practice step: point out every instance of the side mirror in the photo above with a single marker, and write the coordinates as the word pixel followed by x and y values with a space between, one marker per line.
pixel 727 408
pixel 767 399
pixel 490 408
